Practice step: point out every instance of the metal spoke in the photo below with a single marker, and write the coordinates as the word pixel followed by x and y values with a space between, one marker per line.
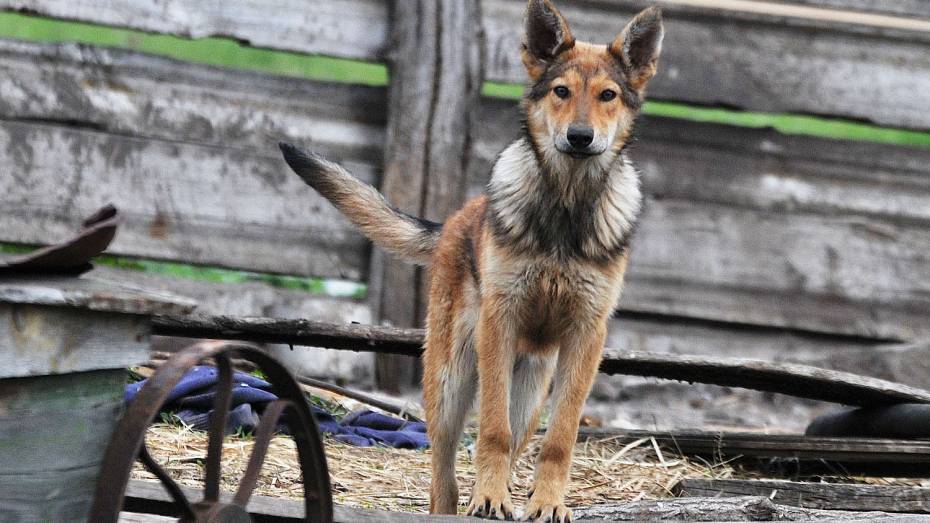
pixel 173 488
pixel 263 436
pixel 211 490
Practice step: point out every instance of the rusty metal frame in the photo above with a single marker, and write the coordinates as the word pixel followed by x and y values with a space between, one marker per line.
pixel 128 441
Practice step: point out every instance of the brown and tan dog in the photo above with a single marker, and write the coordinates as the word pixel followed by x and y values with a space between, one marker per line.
pixel 524 279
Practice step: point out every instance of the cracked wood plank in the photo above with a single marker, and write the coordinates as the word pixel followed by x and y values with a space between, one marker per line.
pixel 829 496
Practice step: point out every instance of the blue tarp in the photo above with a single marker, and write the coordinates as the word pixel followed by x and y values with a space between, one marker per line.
pixel 192 401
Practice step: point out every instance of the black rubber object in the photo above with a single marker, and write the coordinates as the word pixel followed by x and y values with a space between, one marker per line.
pixel 902 421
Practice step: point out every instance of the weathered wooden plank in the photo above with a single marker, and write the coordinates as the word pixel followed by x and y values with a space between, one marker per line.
pixel 147 496
pixel 179 201
pixel 830 496
pixel 349 28
pixel 793 379
pixel 741 508
pixel 911 8
pixel 239 116
pixel 754 61
pixel 126 93
pixel 871 456
pixel 787 228
pixel 435 71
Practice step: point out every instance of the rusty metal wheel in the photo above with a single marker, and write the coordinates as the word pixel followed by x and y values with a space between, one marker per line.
pixel 128 441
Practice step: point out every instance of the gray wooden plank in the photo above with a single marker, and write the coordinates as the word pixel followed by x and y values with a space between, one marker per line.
pixel 348 28
pixel 786 378
pixel 179 201
pixel 830 496
pixel 910 8
pixel 140 95
pixel 754 61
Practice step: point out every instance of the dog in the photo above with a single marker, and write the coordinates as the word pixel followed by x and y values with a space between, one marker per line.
pixel 524 278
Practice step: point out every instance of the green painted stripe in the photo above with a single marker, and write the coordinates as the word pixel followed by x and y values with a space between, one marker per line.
pixel 225 52
pixel 784 123
pixel 321 286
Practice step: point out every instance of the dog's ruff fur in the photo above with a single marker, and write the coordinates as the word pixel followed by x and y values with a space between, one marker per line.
pixel 524 279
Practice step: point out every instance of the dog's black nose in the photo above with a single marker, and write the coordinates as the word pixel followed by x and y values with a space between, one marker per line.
pixel 580 136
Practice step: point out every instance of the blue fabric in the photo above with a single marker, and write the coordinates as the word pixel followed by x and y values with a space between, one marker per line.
pixel 192 402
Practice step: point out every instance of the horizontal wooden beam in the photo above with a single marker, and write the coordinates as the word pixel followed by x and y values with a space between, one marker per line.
pixel 909 8
pixel 784 453
pixel 796 380
pixel 829 496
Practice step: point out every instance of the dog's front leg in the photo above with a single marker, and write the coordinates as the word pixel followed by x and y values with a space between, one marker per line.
pixel 579 357
pixel 496 346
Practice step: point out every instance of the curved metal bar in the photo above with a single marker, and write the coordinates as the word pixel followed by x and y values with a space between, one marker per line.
pixel 318 500
pixel 130 432
pixel 263 435
pixel 211 489
pixel 173 489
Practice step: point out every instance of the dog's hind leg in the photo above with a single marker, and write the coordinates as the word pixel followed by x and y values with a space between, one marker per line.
pixel 531 376
pixel 450 382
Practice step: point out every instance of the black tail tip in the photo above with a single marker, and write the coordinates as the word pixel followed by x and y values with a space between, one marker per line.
pixel 302 162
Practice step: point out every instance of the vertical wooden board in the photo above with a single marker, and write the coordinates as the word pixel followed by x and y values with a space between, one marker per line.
pixel 53 432
pixel 435 83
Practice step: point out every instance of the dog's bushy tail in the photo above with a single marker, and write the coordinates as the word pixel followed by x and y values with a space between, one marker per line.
pixel 406 236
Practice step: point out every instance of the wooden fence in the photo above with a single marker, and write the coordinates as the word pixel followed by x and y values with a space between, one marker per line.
pixel 753 243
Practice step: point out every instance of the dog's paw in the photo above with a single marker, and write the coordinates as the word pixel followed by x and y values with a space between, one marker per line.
pixel 491 503
pixel 540 510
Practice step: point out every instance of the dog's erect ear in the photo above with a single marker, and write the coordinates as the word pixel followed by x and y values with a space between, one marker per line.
pixel 547 36
pixel 637 47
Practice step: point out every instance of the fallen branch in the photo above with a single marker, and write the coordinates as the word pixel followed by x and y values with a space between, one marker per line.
pixel 795 380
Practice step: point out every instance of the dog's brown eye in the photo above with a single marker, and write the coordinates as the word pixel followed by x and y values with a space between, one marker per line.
pixel 608 95
pixel 561 91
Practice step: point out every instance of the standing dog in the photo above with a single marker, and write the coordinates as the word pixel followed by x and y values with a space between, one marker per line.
pixel 524 279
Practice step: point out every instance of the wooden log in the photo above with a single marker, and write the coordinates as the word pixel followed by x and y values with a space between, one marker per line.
pixel 435 68
pixel 794 454
pixel 711 55
pixel 792 379
pixel 830 496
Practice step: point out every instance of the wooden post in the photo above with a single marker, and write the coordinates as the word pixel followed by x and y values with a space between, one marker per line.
pixel 435 70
